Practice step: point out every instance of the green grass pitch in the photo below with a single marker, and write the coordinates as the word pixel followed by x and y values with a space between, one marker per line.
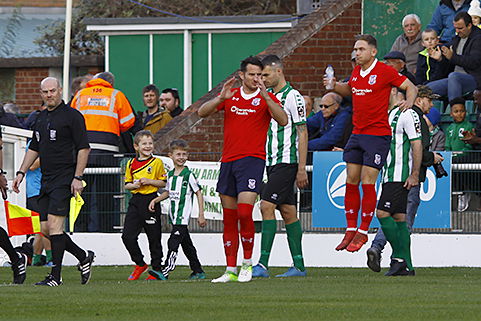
pixel 326 294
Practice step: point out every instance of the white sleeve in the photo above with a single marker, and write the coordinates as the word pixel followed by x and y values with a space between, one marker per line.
pixel 194 183
pixel 296 106
pixel 411 124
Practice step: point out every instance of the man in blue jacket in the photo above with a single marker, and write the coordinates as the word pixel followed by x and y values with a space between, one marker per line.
pixel 442 20
pixel 327 127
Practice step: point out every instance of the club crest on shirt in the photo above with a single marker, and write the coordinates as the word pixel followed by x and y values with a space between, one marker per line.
pixel 256 102
pixel 372 79
pixel 149 169
pixel 251 183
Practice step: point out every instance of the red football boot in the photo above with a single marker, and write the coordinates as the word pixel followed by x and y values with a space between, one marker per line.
pixel 346 240
pixel 357 242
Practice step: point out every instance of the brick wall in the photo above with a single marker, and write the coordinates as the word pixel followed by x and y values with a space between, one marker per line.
pixel 27 84
pixel 323 37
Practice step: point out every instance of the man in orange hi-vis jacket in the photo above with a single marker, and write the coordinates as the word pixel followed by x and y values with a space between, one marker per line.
pixel 107 114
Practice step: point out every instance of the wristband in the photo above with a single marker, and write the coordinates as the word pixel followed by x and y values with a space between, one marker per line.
pixel 19 172
pixel 80 178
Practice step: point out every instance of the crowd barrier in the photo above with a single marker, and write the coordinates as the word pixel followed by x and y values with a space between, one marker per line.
pixel 106 200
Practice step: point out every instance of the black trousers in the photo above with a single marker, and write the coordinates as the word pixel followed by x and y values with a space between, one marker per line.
pixel 139 217
pixel 180 236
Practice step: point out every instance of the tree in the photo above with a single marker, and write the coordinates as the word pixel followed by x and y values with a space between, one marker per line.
pixel 51 39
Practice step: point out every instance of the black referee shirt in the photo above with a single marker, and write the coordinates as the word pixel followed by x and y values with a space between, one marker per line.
pixel 58 136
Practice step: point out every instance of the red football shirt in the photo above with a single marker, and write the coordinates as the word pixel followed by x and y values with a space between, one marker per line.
pixel 370 98
pixel 246 120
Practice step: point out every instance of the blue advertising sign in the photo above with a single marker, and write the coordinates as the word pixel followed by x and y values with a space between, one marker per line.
pixel 329 187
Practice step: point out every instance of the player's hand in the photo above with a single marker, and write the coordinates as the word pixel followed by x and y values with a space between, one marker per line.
pixel 144 181
pixel 136 184
pixel 16 183
pixel 435 53
pixel 325 82
pixel 404 105
pixel 226 92
pixel 301 178
pixel 438 158
pixel 76 187
pixel 337 149
pixel 262 87
pixel 152 205
pixel 3 186
pixel 447 52
pixel 411 181
pixel 470 137
pixel 201 220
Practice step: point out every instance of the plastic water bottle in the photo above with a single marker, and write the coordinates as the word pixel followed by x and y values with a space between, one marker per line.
pixel 330 77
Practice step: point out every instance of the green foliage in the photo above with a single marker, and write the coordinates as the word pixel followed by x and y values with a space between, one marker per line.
pixel 7 42
pixel 325 294
pixel 51 39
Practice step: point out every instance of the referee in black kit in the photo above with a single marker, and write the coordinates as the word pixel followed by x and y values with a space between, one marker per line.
pixel 60 140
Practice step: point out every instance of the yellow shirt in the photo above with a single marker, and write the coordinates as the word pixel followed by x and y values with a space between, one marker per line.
pixel 152 168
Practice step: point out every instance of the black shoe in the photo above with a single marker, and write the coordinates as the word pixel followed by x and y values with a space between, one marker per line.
pixel 405 272
pixel 20 269
pixel 398 266
pixel 50 281
pixel 374 259
pixel 85 267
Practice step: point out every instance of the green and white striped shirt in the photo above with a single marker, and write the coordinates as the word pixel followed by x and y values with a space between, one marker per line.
pixel 181 189
pixel 406 127
pixel 282 141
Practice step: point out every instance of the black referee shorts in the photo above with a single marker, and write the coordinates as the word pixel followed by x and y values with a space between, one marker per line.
pixel 280 188
pixel 394 198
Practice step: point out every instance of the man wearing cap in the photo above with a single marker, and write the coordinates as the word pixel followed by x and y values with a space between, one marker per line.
pixel 390 224
pixel 409 43
pixel 397 60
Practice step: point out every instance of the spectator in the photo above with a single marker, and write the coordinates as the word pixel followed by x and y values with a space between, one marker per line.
pixel 170 100
pixel 473 137
pixel 155 117
pixel 431 65
pixel 326 128
pixel 308 101
pixel 32 118
pixel 438 138
pixel 475 13
pixel 455 131
pixel 8 116
pixel 397 60
pixel 78 83
pixel 465 55
pixel 442 20
pixel 409 43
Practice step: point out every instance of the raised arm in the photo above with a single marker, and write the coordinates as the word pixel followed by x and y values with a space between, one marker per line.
pixel 210 107
pixel 341 88
pixel 276 110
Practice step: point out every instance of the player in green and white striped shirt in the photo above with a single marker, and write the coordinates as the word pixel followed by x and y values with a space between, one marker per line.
pixel 400 174
pixel 181 187
pixel 286 159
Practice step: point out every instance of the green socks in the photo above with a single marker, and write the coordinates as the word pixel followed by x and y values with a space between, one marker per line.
pixel 390 230
pixel 36 259
pixel 49 255
pixel 405 244
pixel 294 238
pixel 269 228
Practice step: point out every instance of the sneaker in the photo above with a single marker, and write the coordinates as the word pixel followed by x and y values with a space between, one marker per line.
pixel 138 270
pixel 259 271
pixel 85 267
pixel 226 277
pixel 357 242
pixel 197 276
pixel 463 201
pixel 374 259
pixel 245 273
pixel 150 278
pixel 346 240
pixel 293 271
pixel 398 267
pixel 50 281
pixel 20 269
pixel 158 275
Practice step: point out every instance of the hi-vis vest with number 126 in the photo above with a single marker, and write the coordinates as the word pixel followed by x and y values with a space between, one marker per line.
pixel 107 113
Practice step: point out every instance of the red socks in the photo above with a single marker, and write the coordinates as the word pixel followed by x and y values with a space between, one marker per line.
pixel 231 236
pixel 247 230
pixel 369 200
pixel 352 203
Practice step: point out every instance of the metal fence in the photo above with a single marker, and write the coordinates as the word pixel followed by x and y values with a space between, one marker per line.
pixel 106 200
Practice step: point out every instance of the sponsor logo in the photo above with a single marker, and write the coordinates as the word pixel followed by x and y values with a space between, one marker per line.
pixel 367 214
pixel 152 220
pixel 354 78
pixel 256 102
pixel 274 196
pixel 98 101
pixel 360 92
pixel 251 184
pixel 241 112
pixel 387 205
pixel 372 79
pixel 248 240
pixel 336 185
pixel 228 244
pixel 235 98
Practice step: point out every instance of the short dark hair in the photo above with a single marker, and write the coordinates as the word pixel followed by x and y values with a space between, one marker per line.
pixel 76 82
pixel 252 60
pixel 142 133
pixel 178 144
pixel 367 38
pixel 427 30
pixel 463 15
pixel 173 91
pixel 151 87
pixel 457 101
pixel 271 60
